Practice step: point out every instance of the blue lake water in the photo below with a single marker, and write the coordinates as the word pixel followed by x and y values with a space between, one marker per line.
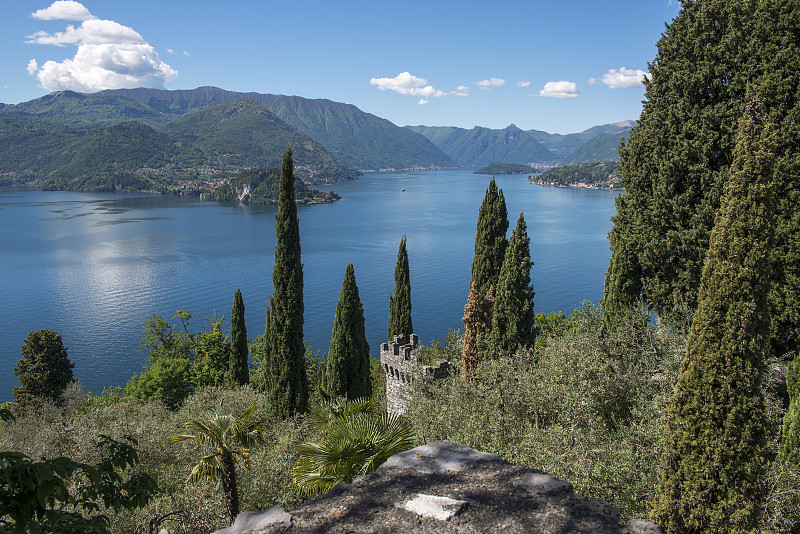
pixel 95 266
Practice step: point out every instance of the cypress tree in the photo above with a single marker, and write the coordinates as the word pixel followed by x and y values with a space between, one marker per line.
pixel 712 469
pixel 287 383
pixel 238 369
pixel 677 159
pixel 400 302
pixel 477 321
pixel 347 371
pixel 45 370
pixel 790 437
pixel 512 311
pixel 490 239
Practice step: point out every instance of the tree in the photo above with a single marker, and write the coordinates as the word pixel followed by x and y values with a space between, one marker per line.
pixel 230 439
pixel 45 370
pixel 790 437
pixel 287 385
pixel 713 466
pixel 676 160
pixel 347 369
pixel 400 302
pixel 512 311
pixel 490 239
pixel 238 369
pixel 477 320
pixel 213 354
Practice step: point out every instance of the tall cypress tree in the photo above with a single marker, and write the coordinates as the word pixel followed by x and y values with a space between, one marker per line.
pixel 512 311
pixel 712 469
pixel 238 370
pixel 677 159
pixel 490 239
pixel 790 437
pixel 477 322
pixel 287 383
pixel 347 370
pixel 400 301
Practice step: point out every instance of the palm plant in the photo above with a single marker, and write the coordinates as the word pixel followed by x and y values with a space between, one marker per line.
pixel 231 439
pixel 355 438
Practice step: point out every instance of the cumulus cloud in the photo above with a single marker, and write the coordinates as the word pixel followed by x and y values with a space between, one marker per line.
pixel 488 84
pixel 560 89
pixel 523 84
pixel 406 83
pixel 623 78
pixel 592 81
pixel 109 55
pixel 63 10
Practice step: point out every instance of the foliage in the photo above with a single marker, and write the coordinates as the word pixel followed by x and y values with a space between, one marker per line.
pixel 498 167
pixel 588 173
pixel 263 189
pixel 62 495
pixel 347 368
pixel 715 440
pixel 284 358
pixel 512 311
pixel 400 323
pixel 585 406
pixel 790 437
pixel 352 438
pixel 490 239
pixel 678 157
pixel 238 365
pixel 45 370
pixel 477 320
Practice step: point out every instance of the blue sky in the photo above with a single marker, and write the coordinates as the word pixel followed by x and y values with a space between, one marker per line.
pixel 555 65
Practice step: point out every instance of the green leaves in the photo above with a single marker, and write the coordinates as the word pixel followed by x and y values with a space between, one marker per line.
pixel 45 370
pixel 400 323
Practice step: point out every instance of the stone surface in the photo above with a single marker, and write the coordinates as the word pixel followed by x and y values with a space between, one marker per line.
pixel 445 487
pixel 246 522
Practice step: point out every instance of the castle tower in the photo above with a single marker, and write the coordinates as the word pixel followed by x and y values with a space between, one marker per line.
pixel 399 364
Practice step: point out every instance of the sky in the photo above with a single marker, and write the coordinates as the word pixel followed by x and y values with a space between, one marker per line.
pixel 560 66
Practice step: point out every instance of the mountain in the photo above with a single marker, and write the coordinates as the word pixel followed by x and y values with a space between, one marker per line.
pixel 603 147
pixel 261 186
pixel 359 139
pixel 479 146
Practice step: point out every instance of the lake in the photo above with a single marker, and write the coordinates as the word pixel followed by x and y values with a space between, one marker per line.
pixel 95 266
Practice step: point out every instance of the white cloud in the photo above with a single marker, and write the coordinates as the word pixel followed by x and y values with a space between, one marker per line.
pixel 63 10
pixel 185 53
pixel 623 78
pixel 406 83
pixel 592 81
pixel 523 84
pixel 109 55
pixel 560 89
pixel 485 85
pixel 170 51
pixel 461 90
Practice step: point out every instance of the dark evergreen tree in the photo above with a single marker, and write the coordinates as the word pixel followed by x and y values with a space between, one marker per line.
pixel 287 383
pixel 238 369
pixel 45 370
pixel 400 301
pixel 790 437
pixel 512 311
pixel 490 239
pixel 347 369
pixel 713 465
pixel 477 322
pixel 677 159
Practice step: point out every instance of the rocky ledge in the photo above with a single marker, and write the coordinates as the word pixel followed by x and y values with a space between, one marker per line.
pixel 446 487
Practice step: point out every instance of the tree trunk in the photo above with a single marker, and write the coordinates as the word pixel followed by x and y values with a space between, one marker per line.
pixel 229 486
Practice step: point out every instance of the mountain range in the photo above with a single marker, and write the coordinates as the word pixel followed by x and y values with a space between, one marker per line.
pixel 188 139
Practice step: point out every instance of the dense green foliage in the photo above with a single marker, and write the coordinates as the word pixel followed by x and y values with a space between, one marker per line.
pixel 62 495
pixel 587 173
pixel 400 323
pixel 260 186
pixel 714 463
pixel 44 370
pixel 351 438
pixel 347 367
pixel 229 438
pixel 490 239
pixel 790 437
pixel 284 351
pixel 512 311
pixel 678 157
pixel 239 365
pixel 499 167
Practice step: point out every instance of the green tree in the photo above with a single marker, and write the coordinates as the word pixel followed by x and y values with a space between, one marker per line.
pixel 168 381
pixel 213 354
pixel 238 368
pixel 400 302
pixel 45 370
pixel 512 313
pixel 229 439
pixel 477 321
pixel 713 466
pixel 287 384
pixel 347 369
pixel 790 437
pixel 676 160
pixel 490 239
